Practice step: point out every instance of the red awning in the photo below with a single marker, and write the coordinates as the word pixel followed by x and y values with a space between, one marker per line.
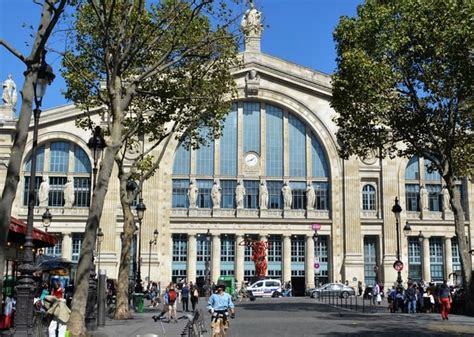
pixel 40 238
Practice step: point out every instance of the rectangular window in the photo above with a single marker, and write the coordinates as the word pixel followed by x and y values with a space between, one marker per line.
pixel 297 249
pixel 274 162
pixel 81 161
pixel 368 197
pixel 228 193
pixel 228 144
pixel 414 259
pixel 203 248
pixel 26 188
pixel 182 160
pixel 274 248
pixel 251 127
pixel 297 147
pixel 412 195
pixel 227 249
pixel 275 199
pixel 321 251
pixel 39 161
pixel 455 254
pixel 251 193
pixel 434 197
pixel 55 251
pixel 298 192
pixel 76 246
pixel 205 157
pixel 56 191
pixel 204 194
pixel 370 259
pixel 436 259
pixel 180 247
pixel 322 196
pixel 82 192
pixel 180 193
pixel 320 168
pixel 59 157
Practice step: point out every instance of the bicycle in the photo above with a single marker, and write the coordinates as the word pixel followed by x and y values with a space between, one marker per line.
pixel 220 323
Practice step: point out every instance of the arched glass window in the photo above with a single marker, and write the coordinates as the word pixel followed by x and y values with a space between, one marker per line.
pixel 320 167
pixel 368 198
pixel 228 144
pixel 274 163
pixel 412 171
pixel 205 157
pixel 429 174
pixel 252 127
pixel 182 161
pixel 297 147
pixel 58 171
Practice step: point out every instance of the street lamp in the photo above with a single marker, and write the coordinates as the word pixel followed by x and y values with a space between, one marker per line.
pixel 26 285
pixel 96 143
pixel 100 238
pixel 421 237
pixel 140 208
pixel 152 242
pixel 398 265
pixel 407 229
pixel 46 219
pixel 315 239
pixel 208 264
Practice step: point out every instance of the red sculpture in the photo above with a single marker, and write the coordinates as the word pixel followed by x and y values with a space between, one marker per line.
pixel 259 254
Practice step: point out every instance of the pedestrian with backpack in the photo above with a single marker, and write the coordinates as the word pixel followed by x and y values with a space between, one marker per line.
pixel 170 298
pixel 185 297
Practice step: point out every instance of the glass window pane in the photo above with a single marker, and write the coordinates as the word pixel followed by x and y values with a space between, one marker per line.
pixel 297 147
pixel 76 246
pixel 412 171
pixel 368 197
pixel 275 198
pixel 228 193
pixel 318 157
pixel 59 153
pixel 205 157
pixel 180 193
pixel 39 160
pixel 82 192
pixel 251 193
pixel 204 194
pixel 431 175
pixel 182 160
pixel 298 192
pixel 56 191
pixel 274 139
pixel 26 188
pixel 370 259
pixel 436 259
pixel 228 144
pixel 82 163
pixel 322 195
pixel 434 197
pixel 412 196
pixel 251 127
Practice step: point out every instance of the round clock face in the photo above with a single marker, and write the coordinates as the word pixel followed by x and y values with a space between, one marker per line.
pixel 251 159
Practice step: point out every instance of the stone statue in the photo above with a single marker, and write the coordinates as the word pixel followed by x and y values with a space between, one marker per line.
pixel 263 193
pixel 251 21
pixel 239 194
pixel 252 83
pixel 9 95
pixel 287 196
pixel 216 194
pixel 43 192
pixel 192 193
pixel 69 196
pixel 310 196
pixel 446 199
pixel 423 198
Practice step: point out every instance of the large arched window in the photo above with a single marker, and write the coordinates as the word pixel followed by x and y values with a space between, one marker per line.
pixel 368 198
pixel 61 161
pixel 259 142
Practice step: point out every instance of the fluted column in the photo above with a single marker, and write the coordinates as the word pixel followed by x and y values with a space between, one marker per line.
pixel 448 256
pixel 66 249
pixel 286 258
pixel 216 258
pixel 239 259
pixel 192 257
pixel 426 259
pixel 309 264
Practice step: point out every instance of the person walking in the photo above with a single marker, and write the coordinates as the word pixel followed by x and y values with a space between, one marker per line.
pixel 410 294
pixel 219 305
pixel 194 297
pixel 445 300
pixel 185 297
pixel 376 293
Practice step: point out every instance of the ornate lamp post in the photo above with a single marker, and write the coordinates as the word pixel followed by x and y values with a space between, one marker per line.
pixel 421 237
pixel 208 262
pixel 140 208
pixel 315 239
pixel 26 285
pixel 47 217
pixel 398 265
pixel 97 144
pixel 152 242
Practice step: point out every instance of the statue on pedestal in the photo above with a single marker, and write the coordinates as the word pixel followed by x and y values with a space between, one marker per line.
pixel 423 198
pixel 69 196
pixel 239 194
pixel 287 196
pixel 9 95
pixel 43 192
pixel 251 21
pixel 446 199
pixel 310 196
pixel 216 194
pixel 263 193
pixel 192 193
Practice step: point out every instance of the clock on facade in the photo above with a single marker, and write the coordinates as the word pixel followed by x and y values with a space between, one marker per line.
pixel 251 159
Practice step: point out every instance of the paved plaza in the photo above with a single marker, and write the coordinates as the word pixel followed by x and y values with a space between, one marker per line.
pixel 298 316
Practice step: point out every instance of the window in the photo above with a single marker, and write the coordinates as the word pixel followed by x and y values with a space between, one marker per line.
pixel 414 259
pixel 434 197
pixel 297 147
pixel 320 168
pixel 228 144
pixel 298 192
pixel 412 171
pixel 227 249
pixel 39 160
pixel 81 161
pixel 274 162
pixel 59 152
pixel 180 247
pixel 297 249
pixel 251 193
pixel 274 248
pixel 55 251
pixel 455 254
pixel 321 251
pixel 322 195
pixel 368 198
pixel 252 127
pixel 203 248
pixel 182 160
pixel 275 198
pixel 56 191
pixel 370 259
pixel 180 193
pixel 436 259
pixel 412 195
pixel 430 173
pixel 228 193
pixel 82 192
pixel 205 156
pixel 204 193
pixel 26 190
pixel 76 246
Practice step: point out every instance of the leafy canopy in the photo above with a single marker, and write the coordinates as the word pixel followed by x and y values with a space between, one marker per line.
pixel 404 81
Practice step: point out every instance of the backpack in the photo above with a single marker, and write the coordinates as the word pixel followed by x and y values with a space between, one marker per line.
pixel 172 296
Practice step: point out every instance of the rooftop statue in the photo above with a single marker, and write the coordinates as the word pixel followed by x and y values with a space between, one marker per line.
pixel 9 95
pixel 251 21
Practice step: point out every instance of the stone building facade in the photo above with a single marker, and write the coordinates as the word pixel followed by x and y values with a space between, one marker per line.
pixel 280 131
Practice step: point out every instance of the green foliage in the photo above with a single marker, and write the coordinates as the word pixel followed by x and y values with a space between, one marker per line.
pixel 404 81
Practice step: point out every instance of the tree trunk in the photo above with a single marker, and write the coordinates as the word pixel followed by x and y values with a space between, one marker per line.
pixel 460 229
pixel 122 311
pixel 76 324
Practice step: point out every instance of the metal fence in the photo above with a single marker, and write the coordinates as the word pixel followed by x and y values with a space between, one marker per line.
pixel 356 303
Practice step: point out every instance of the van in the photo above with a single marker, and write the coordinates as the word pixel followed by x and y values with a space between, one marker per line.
pixel 265 288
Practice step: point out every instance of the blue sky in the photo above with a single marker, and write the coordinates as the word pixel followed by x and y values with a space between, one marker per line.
pixel 299 31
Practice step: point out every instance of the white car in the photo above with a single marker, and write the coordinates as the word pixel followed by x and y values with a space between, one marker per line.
pixel 265 288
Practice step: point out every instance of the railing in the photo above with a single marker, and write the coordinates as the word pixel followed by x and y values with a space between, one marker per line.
pixel 196 326
pixel 355 303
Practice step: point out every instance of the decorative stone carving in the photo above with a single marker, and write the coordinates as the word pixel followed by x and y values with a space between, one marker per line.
pixel 446 200
pixel 9 95
pixel 263 193
pixel 423 198
pixel 287 196
pixel 251 24
pixel 69 196
pixel 239 194
pixel 252 83
pixel 192 193
pixel 310 196
pixel 216 194
pixel 43 192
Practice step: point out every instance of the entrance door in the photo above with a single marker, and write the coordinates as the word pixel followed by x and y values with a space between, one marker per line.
pixel 298 285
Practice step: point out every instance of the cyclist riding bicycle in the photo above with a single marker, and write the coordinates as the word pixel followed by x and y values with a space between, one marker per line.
pixel 219 305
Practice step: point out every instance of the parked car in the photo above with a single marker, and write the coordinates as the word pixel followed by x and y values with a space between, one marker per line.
pixel 333 289
pixel 265 288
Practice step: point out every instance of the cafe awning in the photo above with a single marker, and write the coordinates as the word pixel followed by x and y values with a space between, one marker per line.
pixel 17 234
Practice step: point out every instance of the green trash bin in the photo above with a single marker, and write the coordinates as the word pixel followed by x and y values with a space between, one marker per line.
pixel 138 299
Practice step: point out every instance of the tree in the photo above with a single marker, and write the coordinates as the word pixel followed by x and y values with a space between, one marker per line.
pixel 404 83
pixel 157 70
pixel 51 12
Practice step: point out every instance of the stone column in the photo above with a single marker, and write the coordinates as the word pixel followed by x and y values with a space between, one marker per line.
pixel 448 259
pixel 286 275
pixel 66 249
pixel 426 259
pixel 309 265
pixel 216 258
pixel 239 259
pixel 192 257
